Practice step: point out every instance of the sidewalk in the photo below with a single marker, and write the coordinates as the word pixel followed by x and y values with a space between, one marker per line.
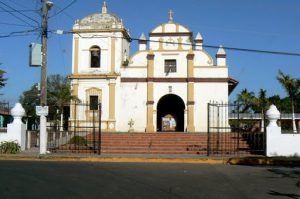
pixel 33 155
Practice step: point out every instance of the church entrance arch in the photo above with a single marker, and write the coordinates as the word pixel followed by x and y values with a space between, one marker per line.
pixel 170 113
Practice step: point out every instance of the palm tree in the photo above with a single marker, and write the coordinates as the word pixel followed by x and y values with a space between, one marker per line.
pixel 59 94
pixel 262 103
pixel 2 79
pixel 245 99
pixel 292 87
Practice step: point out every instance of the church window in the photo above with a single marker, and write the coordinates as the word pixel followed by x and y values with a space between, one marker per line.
pixel 95 54
pixel 93 102
pixel 170 65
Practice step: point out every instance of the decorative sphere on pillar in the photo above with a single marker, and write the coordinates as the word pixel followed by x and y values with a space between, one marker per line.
pixel 273 115
pixel 17 112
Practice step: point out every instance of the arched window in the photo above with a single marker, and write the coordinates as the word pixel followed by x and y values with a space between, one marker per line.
pixel 95 54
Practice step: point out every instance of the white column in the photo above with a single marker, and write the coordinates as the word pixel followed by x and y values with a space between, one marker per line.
pixel 42 111
pixel 43 135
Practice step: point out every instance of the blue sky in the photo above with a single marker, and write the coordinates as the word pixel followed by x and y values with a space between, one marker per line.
pixel 257 24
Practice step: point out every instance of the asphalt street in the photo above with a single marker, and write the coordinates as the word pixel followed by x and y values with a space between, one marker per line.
pixel 49 179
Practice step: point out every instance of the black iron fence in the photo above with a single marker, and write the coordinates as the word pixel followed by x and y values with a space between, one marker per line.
pixel 82 133
pixel 4 108
pixel 233 133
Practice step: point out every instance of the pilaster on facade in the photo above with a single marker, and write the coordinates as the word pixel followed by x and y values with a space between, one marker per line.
pixel 190 92
pixel 76 55
pixel 112 103
pixel 150 102
pixel 113 55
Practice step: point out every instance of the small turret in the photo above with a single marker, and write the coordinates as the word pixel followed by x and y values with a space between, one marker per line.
pixel 221 57
pixel 104 8
pixel 142 42
pixel 198 42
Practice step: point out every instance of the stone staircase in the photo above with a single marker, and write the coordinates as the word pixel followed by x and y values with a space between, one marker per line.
pixel 160 143
pixel 168 143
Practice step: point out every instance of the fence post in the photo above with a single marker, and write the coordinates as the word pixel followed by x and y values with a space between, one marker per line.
pixel 208 129
pixel 28 139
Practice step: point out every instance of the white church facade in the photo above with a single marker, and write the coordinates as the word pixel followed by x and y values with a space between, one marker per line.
pixel 165 86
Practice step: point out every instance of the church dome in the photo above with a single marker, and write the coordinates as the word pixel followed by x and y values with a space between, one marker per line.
pixel 102 20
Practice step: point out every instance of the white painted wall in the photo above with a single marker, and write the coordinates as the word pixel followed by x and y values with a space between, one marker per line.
pixel 279 144
pixel 211 72
pixel 84 85
pixel 131 104
pixel 103 40
pixel 205 93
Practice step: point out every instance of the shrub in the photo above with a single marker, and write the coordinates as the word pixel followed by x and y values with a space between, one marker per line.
pixel 78 140
pixel 11 147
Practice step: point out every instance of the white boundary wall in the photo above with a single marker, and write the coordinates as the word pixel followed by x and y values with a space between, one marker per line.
pixel 279 144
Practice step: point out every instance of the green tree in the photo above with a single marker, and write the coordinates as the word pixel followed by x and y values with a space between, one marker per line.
pixel 246 100
pixel 2 79
pixel 261 104
pixel 29 100
pixel 292 87
pixel 59 94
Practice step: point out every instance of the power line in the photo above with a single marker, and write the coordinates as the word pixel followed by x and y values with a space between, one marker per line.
pixel 19 33
pixel 203 45
pixel 62 10
pixel 17 17
pixel 19 11
pixel 13 24
pixel 30 18
pixel 68 15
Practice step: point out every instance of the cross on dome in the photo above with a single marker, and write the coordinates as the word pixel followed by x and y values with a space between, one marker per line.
pixel 171 13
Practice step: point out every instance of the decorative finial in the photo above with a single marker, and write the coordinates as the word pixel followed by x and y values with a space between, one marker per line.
pixel 221 51
pixel 171 13
pixel 142 37
pixel 273 115
pixel 198 37
pixel 104 8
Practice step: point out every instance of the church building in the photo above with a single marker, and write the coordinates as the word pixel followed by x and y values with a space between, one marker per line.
pixel 165 86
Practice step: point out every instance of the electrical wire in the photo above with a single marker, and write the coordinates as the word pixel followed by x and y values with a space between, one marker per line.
pixel 62 10
pixel 203 45
pixel 17 33
pixel 30 18
pixel 13 24
pixel 17 17
pixel 19 11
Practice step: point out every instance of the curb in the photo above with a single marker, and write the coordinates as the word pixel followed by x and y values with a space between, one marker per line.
pixel 117 159
pixel 266 161
pixel 251 161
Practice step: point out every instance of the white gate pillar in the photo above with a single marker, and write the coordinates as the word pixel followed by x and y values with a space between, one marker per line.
pixel 16 131
pixel 42 111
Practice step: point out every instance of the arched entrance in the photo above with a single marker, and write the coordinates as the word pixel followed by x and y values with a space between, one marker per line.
pixel 170 113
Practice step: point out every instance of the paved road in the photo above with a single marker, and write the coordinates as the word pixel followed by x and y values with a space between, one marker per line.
pixel 37 179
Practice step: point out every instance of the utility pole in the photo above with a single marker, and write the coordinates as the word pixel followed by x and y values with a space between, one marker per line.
pixel 42 111
pixel 46 6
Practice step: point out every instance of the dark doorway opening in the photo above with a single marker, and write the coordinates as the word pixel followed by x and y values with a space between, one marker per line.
pixel 170 113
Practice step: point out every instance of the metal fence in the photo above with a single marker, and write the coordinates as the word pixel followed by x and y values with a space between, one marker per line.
pixel 82 133
pixel 4 108
pixel 231 134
